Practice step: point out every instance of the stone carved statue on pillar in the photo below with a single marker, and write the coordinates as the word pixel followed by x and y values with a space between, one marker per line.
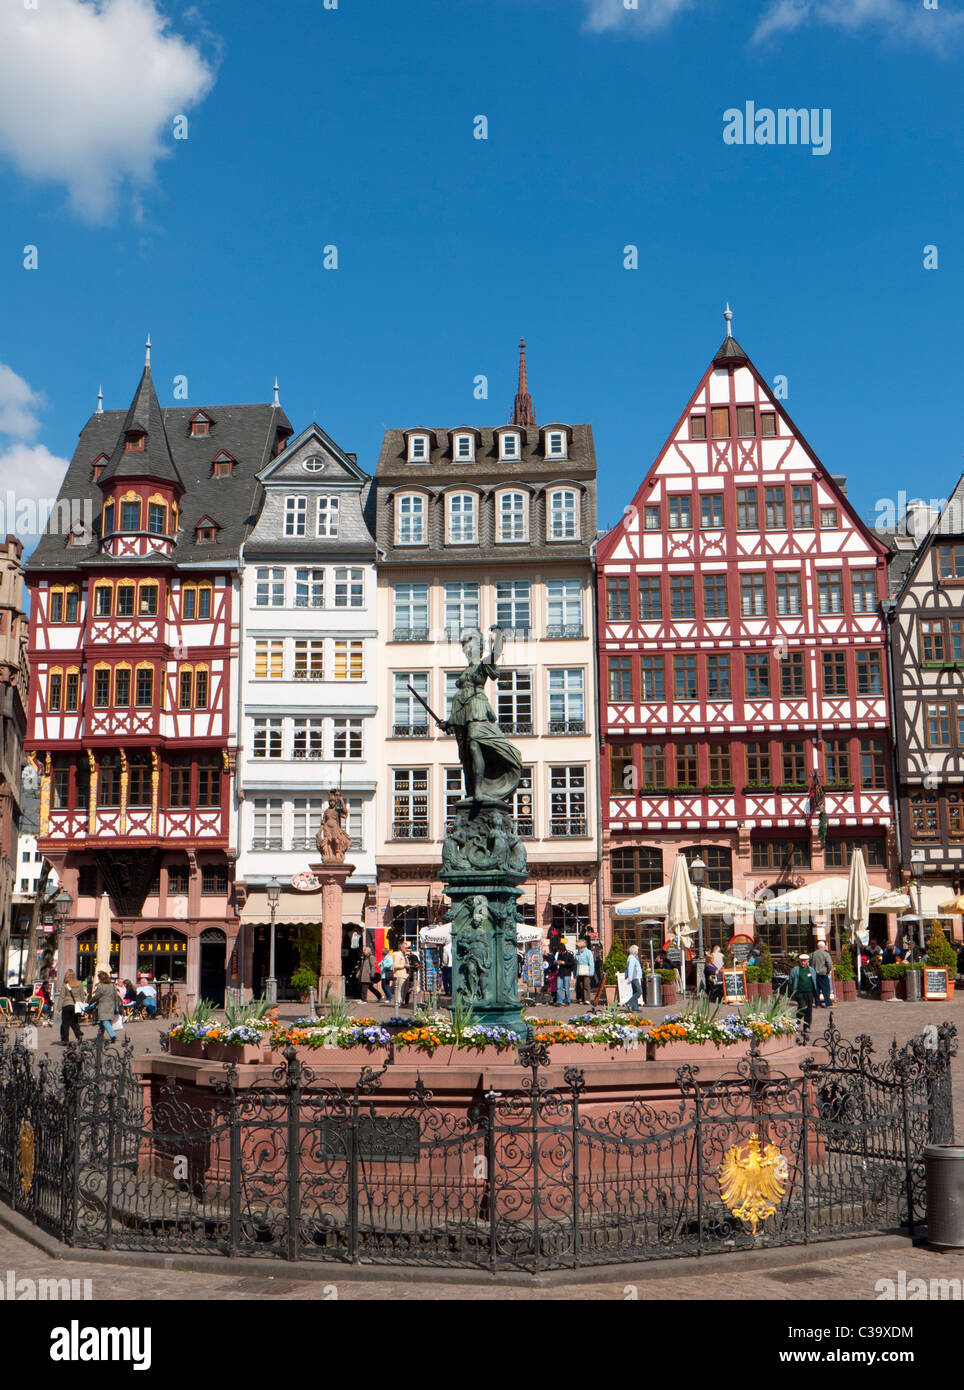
pixel 333 840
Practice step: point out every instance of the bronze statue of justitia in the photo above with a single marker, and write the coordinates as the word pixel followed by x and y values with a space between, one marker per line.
pixel 491 765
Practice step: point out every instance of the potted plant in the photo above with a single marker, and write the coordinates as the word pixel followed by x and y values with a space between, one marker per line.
pixel 752 973
pixel 843 973
pixel 303 980
pixel 940 952
pixel 889 977
pixel 668 978
pixel 613 965
pixel 765 987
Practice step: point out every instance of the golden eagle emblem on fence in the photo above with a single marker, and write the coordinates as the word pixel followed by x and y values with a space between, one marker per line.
pixel 26 1143
pixel 753 1178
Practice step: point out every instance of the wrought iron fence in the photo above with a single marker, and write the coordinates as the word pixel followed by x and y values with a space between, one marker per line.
pixel 540 1177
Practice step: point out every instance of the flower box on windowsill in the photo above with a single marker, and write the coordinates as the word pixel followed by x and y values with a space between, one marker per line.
pixel 793 788
pixel 669 791
pixel 718 788
pixel 756 788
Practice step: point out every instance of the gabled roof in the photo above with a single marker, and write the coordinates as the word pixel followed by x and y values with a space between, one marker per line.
pixel 156 460
pixel 949 523
pixel 313 434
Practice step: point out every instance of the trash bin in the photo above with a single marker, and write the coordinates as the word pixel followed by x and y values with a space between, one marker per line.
pixel 944 1172
pixel 653 993
pixel 912 981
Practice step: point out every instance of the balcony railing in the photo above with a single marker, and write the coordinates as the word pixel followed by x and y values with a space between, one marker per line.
pixel 410 634
pixel 571 630
pixel 567 726
pixel 273 843
pixel 312 675
pixel 567 829
pixel 410 830
pixel 307 753
pixel 515 632
pixel 516 726
pixel 318 602
pixel 410 730
pixel 525 829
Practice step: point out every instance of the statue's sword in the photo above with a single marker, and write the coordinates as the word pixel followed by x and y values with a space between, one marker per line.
pixel 426 706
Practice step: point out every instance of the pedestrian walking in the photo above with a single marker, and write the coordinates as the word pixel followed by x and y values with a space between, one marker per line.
pixel 585 965
pixel 366 975
pixel 823 969
pixel 399 976
pixel 634 978
pixel 803 991
pixel 565 964
pixel 387 972
pixel 106 1004
pixel 71 997
pixel 550 973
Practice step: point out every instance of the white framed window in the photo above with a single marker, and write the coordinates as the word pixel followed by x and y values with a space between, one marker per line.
pixel 567 802
pixel 296 516
pixel 356 822
pixel 267 738
pixel 563 608
pixel 410 615
pixel 309 588
pixel 349 661
pixel 307 813
pixel 556 444
pixel 461 609
pixel 453 793
pixel 307 738
pixel 266 830
pixel 451 689
pixel 314 464
pixel 410 803
pixel 464 450
pixel 349 588
pixel 567 705
pixel 269 659
pixel 347 739
pixel 512 516
pixel 410 519
pixel 509 445
pixel 418 448
pixel 513 605
pixel 564 514
pixel 270 588
pixel 461 518
pixel 326 524
pixel 514 702
pixel 309 659
pixel 409 717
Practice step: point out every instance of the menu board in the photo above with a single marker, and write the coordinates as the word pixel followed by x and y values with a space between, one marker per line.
pixel 935 982
pixel 734 985
pixel 740 946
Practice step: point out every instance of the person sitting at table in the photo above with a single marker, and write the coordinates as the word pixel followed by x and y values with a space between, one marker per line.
pixel 147 994
pixel 712 984
pixel 128 992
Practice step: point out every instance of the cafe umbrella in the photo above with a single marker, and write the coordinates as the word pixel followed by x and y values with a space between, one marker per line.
pixel 681 912
pixel 858 902
pixel 102 957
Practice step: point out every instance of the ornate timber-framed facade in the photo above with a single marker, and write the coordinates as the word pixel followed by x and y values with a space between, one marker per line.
pixel 927 654
pixel 479 528
pixel 13 724
pixel 743 679
pixel 133 655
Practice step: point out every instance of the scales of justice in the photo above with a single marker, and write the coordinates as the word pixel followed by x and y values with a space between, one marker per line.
pixel 483 859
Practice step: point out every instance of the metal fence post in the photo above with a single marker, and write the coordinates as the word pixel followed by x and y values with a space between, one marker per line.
pixel 109 1188
pixel 698 1141
pixel 805 1153
pixel 293 1085
pixel 575 1174
pixel 908 1159
pixel 353 1177
pixel 234 1166
pixel 534 1140
pixel 491 1097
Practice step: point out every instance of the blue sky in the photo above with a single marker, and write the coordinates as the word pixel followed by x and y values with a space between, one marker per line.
pixel 354 127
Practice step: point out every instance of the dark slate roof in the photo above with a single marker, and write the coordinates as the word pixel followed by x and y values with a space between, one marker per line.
pixel 729 350
pixel 155 461
pixel 247 432
pixel 533 471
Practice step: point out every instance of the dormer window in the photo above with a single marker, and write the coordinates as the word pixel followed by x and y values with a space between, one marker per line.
pixel 418 448
pixel 131 514
pixel 222 465
pixel 78 534
pixel 98 466
pixel 200 425
pixel 555 444
pixel 134 441
pixel 509 446
pixel 205 531
pixel 464 450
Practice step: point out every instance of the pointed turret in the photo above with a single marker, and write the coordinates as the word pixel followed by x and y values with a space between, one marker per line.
pixel 730 350
pixel 143 449
pixel 523 411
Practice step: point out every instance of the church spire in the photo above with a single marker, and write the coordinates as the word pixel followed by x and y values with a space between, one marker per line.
pixel 523 411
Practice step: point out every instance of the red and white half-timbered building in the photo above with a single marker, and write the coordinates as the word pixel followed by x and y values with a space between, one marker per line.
pixel 134 630
pixel 744 706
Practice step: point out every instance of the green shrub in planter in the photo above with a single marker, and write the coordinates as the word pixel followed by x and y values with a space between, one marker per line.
pixel 615 962
pixel 754 974
pixel 766 963
pixel 844 970
pixel 668 977
pixel 893 972
pixel 304 980
pixel 940 952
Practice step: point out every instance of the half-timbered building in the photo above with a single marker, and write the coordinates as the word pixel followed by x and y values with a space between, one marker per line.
pixel 744 705
pixel 134 629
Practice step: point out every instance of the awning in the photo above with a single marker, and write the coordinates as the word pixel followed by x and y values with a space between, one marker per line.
pixel 407 896
pixel 655 903
pixel 527 894
pixel 300 909
pixel 569 897
pixel 935 900
pixel 821 896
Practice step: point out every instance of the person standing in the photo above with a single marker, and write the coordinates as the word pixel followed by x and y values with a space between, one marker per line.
pixel 387 972
pixel 584 972
pixel 565 962
pixel 399 975
pixel 550 973
pixel 823 969
pixel 71 995
pixel 634 977
pixel 366 975
pixel 803 991
pixel 447 968
pixel 105 1004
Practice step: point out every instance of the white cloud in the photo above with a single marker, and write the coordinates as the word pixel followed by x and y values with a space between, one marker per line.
pixel 30 475
pixel 17 404
pixel 900 20
pixel 88 93
pixel 650 16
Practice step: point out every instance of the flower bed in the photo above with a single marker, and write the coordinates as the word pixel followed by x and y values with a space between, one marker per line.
pixel 677 1037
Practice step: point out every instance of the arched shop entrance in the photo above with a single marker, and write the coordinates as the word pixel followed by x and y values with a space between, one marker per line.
pixel 214 945
pixel 87 954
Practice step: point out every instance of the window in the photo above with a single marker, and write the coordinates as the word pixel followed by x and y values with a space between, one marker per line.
pixel 72 692
pixel 349 588
pixel 107 521
pixel 720 765
pixel 55 690
pixel 636 871
pixel 124 602
pixel 563 608
pixel 802 499
pixel 163 955
pixel 932 639
pixel 758 773
pixel 461 609
pixel 718 677
pixel 768 424
pixel 208 783
pixel 508 446
pixel 222 466
pixel 745 422
pixel 201 688
pixel 863 587
pixel 714 596
pixel 923 815
pixel 103 595
pixel 199 427
pixel 654 765
pixel 326 517
pixel 747 516
pixel 179 786
pixel 513 606
pixel 781 855
pixel 411 519
pixel 267 738
pixel 567 801
pixel 682 600
pixel 349 661
pixel 840 851
pixel 296 516
pixel 307 738
pixel 650 598
pixel 950 561
pixel 410 613
pixel 185 697
pixel 453 793
pixel 147 600
pixel 567 711
pixel 793 756
pixel 409 717
pixel 556 444
pixel 122 687
pixel 464 448
pixel 131 516
pixel 793 680
pixel 156 518
pixel 680 514
pixel 828 518
pixel 651 519
pixel 788 587
pixel 836 752
pixel 830 591
pixel 835 673
pixel 109 780
pixel 269 655
pixel 776 508
pixel 617 597
pixel 461 518
pixel 653 683
pixel 308 812
pixel 144 687
pixel 309 659
pixel 523 811
pixel 214 879
pixel 309 588
pixel 753 595
pixel 56 606
pixel 418 448
pixel 756 670
pixel 687 765
pixel 204 533
pixel 685 685
pixel 410 803
pixel 872 771
pixel 621 679
pixel 512 516
pixel 139 779
pixel 711 511
pixel 720 418
pixel 697 427
pixel 514 702
pixel 266 827
pixel 269 588
pixel 621 772
pixel 870 678
pixel 954 802
pixel 347 738
pixel 938 724
pixel 563 515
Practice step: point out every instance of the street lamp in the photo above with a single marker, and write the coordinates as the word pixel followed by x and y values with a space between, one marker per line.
pixel 62 904
pixel 698 879
pixel 917 866
pixel 272 893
